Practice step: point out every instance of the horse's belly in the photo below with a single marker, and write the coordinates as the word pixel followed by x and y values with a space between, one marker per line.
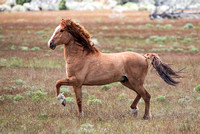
pixel 99 81
pixel 102 78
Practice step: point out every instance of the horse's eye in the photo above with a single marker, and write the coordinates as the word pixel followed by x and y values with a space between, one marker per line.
pixel 61 30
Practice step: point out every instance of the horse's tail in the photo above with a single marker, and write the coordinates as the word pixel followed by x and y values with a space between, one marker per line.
pixel 164 70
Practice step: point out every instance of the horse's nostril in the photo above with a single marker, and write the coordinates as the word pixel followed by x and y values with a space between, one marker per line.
pixel 52 45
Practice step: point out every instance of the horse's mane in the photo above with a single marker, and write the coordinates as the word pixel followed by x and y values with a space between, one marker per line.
pixel 80 34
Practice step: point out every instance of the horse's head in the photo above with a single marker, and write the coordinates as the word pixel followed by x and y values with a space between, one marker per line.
pixel 60 35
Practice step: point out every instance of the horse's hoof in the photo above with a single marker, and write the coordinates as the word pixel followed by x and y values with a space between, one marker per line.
pixel 62 99
pixel 64 102
pixel 146 117
pixel 134 112
pixel 81 114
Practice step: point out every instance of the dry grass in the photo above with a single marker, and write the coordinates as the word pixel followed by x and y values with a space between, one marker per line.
pixel 25 71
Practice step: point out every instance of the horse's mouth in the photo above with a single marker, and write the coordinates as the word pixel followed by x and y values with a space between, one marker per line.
pixel 53 47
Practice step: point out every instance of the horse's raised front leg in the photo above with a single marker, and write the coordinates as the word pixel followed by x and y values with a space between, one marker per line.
pixel 78 93
pixel 68 82
pixel 134 108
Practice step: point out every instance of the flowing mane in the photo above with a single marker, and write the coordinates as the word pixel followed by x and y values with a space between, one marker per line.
pixel 81 35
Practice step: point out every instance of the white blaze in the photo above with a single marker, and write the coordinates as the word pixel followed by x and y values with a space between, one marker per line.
pixel 58 27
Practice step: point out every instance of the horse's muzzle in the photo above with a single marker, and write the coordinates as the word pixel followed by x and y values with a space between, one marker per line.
pixel 52 45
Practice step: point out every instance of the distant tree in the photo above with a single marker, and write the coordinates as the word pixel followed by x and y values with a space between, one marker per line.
pixel 62 5
pixel 125 1
pixel 21 2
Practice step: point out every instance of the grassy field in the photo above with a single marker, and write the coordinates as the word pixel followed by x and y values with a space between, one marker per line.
pixel 29 71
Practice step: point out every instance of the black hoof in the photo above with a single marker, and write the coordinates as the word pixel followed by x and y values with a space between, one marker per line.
pixel 146 117
pixel 64 103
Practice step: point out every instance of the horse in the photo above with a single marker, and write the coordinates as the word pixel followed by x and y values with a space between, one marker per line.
pixel 86 65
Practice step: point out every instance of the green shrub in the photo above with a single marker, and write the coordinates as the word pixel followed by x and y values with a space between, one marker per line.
pixel 24 48
pixel 21 2
pixel 35 48
pixel 178 50
pixel 13 47
pixel 1 36
pixel 158 39
pixel 118 48
pixel 197 88
pixel 161 98
pixel 43 116
pixel 84 92
pixel 181 100
pixel 104 28
pixel 116 27
pixel 148 41
pixel 3 62
pixel 121 96
pixel 69 99
pixel 129 49
pixel 37 95
pixel 167 26
pixel 187 40
pixel 64 90
pixel 19 81
pixel 1 98
pixel 193 49
pixel 9 97
pixel 14 62
pixel 129 26
pixel 62 5
pixel 149 25
pixel 94 101
pixel 18 97
pixel 97 19
pixel 106 87
pixel 28 93
pixel 87 128
pixel 105 51
pixel 188 26
pixel 116 38
pixel 39 32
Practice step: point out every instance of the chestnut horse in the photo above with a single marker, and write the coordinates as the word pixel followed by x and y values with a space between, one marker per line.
pixel 86 65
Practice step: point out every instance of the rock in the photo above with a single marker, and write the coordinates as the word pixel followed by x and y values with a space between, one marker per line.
pixel 5 8
pixel 151 7
pixel 86 5
pixel 131 6
pixel 11 3
pixel 28 6
pixel 164 8
pixel 111 4
pixel 45 7
pixel 18 8
pixel 142 7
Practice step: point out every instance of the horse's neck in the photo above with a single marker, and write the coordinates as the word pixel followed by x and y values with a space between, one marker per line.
pixel 73 51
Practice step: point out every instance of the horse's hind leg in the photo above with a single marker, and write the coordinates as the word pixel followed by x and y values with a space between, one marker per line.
pixel 134 108
pixel 146 97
